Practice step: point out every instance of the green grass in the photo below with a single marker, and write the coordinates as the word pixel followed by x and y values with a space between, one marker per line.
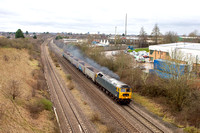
pixel 142 49
pixel 191 130
pixel 148 104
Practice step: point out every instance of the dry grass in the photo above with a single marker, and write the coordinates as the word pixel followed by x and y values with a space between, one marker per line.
pixel 15 64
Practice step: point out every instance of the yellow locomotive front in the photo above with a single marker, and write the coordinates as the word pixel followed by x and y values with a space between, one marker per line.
pixel 125 92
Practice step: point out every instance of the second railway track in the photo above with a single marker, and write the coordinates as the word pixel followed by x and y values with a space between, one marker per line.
pixel 67 114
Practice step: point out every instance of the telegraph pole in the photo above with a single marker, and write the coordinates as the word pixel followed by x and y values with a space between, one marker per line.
pixel 115 33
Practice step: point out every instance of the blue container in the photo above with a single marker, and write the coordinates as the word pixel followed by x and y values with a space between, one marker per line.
pixel 163 75
pixel 170 67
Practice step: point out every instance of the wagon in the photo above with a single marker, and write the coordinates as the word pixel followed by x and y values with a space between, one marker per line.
pixel 81 66
pixel 91 72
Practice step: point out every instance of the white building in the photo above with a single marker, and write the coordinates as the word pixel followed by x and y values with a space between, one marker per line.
pixel 187 52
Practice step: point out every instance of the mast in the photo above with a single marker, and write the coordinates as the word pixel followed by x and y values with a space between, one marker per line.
pixel 126 25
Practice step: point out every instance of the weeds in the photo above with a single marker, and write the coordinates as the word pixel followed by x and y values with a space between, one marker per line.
pixel 68 76
pixel 71 85
pixel 95 118
pixel 38 106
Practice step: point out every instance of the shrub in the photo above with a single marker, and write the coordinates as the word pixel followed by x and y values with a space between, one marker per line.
pixel 46 104
pixel 35 108
pixel 68 76
pixel 95 118
pixel 71 85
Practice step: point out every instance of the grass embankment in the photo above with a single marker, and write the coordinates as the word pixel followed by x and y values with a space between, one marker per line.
pixel 93 115
pixel 24 104
pixel 139 49
pixel 142 49
pixel 176 97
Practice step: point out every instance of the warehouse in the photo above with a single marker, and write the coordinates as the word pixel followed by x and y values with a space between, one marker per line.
pixel 188 53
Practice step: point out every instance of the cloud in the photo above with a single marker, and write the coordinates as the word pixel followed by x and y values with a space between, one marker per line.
pixel 89 16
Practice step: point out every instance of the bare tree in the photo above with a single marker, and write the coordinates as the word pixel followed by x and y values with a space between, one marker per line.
pixel 156 33
pixel 193 34
pixel 14 89
pixel 170 37
pixel 143 38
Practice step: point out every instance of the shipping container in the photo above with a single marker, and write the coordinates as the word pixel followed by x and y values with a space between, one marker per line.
pixel 161 74
pixel 170 67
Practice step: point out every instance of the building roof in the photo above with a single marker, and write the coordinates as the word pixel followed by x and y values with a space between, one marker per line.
pixel 172 46
pixel 189 52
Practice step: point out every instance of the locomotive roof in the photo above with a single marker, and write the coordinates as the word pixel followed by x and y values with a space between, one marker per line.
pixel 113 81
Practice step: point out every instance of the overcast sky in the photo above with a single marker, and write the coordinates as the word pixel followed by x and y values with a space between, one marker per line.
pixel 82 16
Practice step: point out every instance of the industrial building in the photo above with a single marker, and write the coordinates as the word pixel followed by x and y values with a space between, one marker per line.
pixel 188 53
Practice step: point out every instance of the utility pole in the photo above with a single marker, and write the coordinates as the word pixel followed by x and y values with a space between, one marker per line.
pixel 126 25
pixel 115 33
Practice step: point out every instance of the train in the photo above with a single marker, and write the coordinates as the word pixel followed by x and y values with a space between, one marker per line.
pixel 116 89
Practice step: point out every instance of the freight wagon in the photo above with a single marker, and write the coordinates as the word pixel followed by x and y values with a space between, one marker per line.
pixel 81 66
pixel 90 72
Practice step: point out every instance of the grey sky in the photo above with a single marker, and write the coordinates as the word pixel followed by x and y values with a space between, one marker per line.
pixel 82 16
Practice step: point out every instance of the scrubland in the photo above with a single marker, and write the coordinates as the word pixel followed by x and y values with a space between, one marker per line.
pixel 24 100
pixel 176 100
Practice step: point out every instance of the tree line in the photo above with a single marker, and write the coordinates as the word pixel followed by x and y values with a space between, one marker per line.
pixel 157 37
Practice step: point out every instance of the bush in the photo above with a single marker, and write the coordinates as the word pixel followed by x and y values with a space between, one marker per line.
pixel 71 85
pixel 95 118
pixel 68 76
pixel 35 108
pixel 59 37
pixel 46 104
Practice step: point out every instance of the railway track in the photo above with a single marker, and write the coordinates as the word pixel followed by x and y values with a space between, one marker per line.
pixel 120 119
pixel 143 120
pixel 144 123
pixel 68 116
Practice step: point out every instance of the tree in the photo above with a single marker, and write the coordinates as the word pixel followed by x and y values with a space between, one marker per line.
pixel 193 34
pixel 14 89
pixel 156 34
pixel 26 33
pixel 19 34
pixel 143 38
pixel 170 37
pixel 59 37
pixel 34 37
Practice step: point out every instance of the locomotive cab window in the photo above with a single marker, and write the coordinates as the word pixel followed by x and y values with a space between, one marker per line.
pixel 126 88
pixel 100 75
pixel 123 90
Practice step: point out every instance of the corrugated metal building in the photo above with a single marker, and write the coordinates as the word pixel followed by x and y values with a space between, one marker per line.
pixel 188 53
